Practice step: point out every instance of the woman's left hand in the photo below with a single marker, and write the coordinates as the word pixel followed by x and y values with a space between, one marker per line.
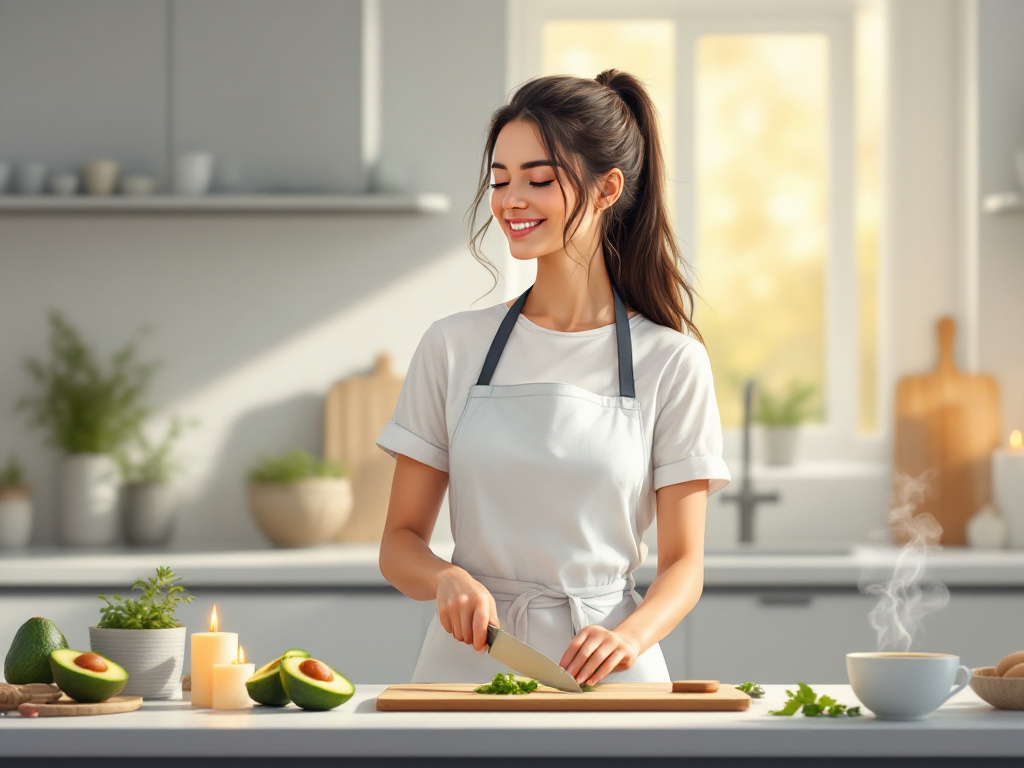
pixel 597 651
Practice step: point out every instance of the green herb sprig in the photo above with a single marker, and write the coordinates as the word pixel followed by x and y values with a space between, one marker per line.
pixel 812 705
pixel 293 466
pixel 754 690
pixel 508 684
pixel 786 409
pixel 154 610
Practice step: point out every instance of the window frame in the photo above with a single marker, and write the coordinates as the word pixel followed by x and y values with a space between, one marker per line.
pixel 837 439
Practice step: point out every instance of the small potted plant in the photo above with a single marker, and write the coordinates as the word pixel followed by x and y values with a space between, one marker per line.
pixel 90 412
pixel 299 500
pixel 148 498
pixel 144 637
pixel 15 507
pixel 781 417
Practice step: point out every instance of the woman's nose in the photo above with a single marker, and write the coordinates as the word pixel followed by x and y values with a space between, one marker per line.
pixel 511 200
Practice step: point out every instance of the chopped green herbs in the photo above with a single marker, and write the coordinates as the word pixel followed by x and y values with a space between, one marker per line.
pixel 812 705
pixel 753 689
pixel 507 684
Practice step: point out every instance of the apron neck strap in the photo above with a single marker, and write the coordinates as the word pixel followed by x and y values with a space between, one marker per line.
pixel 623 343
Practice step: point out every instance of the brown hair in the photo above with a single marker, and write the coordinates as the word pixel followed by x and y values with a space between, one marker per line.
pixel 605 123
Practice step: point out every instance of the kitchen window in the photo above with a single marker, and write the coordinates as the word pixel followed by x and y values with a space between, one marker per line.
pixel 772 125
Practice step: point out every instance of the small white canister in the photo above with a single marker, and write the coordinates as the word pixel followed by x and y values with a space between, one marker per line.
pixel 15 516
pixel 987 529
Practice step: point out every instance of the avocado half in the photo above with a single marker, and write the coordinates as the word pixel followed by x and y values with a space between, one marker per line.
pixel 85 676
pixel 28 659
pixel 311 684
pixel 265 686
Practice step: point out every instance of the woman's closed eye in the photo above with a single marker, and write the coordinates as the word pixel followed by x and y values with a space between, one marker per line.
pixel 532 184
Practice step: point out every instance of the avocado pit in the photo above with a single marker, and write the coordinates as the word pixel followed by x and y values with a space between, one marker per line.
pixel 91 661
pixel 316 670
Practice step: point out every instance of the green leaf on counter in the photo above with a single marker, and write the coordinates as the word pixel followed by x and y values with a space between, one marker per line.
pixel 805 700
pixel 507 684
pixel 754 690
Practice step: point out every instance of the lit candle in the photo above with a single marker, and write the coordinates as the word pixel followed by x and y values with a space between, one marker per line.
pixel 229 691
pixel 208 649
pixel 1008 486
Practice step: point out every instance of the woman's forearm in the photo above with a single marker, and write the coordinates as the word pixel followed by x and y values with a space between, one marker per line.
pixel 671 596
pixel 408 563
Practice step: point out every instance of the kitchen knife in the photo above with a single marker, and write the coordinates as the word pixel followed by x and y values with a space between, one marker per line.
pixel 527 661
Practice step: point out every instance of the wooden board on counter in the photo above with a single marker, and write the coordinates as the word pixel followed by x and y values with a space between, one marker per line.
pixel 947 424
pixel 67 707
pixel 608 697
pixel 356 410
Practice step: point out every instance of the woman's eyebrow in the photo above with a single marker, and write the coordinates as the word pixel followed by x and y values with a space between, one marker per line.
pixel 526 166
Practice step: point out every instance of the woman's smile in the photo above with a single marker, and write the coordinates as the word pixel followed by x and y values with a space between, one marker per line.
pixel 522 227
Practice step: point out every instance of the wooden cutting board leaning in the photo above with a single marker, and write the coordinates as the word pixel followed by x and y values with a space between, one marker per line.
pixel 947 424
pixel 356 410
pixel 607 697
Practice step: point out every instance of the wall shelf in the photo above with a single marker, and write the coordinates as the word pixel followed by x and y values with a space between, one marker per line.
pixel 1003 202
pixel 295 203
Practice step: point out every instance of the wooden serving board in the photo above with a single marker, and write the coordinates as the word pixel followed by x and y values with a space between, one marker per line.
pixel 356 410
pixel 608 697
pixel 66 707
pixel 947 423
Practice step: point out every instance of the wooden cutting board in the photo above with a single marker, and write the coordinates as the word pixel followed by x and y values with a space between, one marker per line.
pixel 356 410
pixel 608 697
pixel 66 707
pixel 947 423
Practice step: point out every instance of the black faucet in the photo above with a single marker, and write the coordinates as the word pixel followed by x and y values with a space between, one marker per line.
pixel 746 498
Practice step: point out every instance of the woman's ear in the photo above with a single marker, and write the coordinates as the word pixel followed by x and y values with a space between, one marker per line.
pixel 610 189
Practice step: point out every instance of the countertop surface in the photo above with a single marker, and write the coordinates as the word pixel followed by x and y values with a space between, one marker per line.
pixel 354 566
pixel 964 726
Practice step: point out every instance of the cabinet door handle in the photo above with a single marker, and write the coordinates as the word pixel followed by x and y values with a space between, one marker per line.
pixel 792 599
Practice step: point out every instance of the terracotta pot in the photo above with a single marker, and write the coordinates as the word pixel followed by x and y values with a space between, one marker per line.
pixel 304 513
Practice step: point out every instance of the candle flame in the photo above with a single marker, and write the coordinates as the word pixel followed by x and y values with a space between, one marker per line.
pixel 214 624
pixel 1016 440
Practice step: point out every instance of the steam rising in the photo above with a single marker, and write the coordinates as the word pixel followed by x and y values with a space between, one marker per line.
pixel 901 602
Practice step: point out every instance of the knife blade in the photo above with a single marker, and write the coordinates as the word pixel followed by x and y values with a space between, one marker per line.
pixel 526 660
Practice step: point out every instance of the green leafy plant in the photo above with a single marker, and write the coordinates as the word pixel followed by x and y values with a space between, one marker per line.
pixel 811 705
pixel 293 466
pixel 143 461
pixel 154 610
pixel 753 689
pixel 85 407
pixel 788 409
pixel 12 474
pixel 508 684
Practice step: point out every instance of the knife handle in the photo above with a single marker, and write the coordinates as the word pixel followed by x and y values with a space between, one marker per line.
pixel 492 634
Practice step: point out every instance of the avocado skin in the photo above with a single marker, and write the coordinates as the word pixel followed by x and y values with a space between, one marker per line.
pixel 28 660
pixel 82 686
pixel 311 694
pixel 267 689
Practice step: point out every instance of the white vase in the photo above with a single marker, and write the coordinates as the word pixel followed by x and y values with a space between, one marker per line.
pixel 153 658
pixel 304 513
pixel 148 511
pixel 779 445
pixel 15 517
pixel 88 490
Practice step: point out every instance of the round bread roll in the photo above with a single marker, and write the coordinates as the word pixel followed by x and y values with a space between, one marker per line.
pixel 1009 660
pixel 1017 670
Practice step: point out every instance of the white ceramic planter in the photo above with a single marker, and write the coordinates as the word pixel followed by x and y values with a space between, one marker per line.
pixel 148 511
pixel 301 514
pixel 152 657
pixel 779 445
pixel 15 517
pixel 88 490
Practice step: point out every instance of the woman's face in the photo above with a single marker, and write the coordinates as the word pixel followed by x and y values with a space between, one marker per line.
pixel 526 197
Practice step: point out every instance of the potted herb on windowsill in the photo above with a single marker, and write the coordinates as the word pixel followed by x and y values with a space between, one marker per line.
pixel 15 507
pixel 298 500
pixel 144 637
pixel 89 413
pixel 781 417
pixel 148 498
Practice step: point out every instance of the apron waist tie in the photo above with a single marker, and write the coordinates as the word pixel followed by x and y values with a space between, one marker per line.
pixel 523 593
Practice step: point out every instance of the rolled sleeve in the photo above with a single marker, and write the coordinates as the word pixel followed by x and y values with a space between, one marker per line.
pixel 395 439
pixel 710 468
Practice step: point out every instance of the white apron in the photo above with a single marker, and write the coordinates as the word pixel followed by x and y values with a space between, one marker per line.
pixel 544 483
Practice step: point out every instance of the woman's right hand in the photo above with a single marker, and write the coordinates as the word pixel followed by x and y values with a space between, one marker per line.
pixel 465 607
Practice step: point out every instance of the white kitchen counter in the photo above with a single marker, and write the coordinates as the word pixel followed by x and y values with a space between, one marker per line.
pixel 965 727
pixel 355 566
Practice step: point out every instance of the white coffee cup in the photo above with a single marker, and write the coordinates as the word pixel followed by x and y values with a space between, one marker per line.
pixel 905 686
pixel 100 177
pixel 193 172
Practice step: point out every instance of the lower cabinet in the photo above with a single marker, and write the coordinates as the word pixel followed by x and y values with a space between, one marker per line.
pixel 368 635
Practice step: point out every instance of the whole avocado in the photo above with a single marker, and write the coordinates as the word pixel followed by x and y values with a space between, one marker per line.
pixel 28 660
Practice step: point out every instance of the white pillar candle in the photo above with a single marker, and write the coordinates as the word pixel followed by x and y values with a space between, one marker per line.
pixel 1008 486
pixel 209 649
pixel 229 691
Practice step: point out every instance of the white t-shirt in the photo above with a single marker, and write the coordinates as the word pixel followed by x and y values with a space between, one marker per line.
pixel 672 374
